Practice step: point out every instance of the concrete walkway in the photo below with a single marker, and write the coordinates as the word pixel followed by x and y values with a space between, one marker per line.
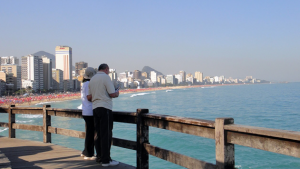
pixel 17 153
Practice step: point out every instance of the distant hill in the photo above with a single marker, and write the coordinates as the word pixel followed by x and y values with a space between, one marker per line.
pixel 49 55
pixel 149 69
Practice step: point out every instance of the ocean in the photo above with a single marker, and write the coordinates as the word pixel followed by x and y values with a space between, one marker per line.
pixel 262 105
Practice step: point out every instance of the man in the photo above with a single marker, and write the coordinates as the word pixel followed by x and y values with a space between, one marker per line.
pixel 101 92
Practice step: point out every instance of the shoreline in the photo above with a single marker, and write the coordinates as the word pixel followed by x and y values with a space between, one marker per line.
pixel 124 91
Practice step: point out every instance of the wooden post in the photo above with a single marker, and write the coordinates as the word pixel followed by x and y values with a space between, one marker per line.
pixel 46 123
pixel 224 150
pixel 11 120
pixel 142 136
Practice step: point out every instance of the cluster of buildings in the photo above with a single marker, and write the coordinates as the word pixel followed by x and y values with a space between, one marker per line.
pixel 138 79
pixel 37 73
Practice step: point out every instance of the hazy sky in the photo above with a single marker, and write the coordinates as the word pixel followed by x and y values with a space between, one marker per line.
pixel 231 38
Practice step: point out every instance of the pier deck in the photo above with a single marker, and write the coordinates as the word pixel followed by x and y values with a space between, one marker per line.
pixel 17 153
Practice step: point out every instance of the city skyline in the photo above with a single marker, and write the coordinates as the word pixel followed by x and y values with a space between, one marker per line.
pixel 232 38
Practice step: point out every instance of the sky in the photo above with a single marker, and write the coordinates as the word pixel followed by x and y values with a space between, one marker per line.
pixel 233 38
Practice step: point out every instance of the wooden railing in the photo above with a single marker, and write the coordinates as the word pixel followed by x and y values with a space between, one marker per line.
pixel 225 133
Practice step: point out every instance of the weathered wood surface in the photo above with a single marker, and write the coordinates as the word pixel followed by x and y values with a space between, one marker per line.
pixel 142 136
pixel 199 122
pixel 179 159
pixel 65 113
pixel 285 134
pixel 33 154
pixel 181 127
pixel 124 143
pixel 4 109
pixel 28 111
pixel 66 132
pixel 224 150
pixel 27 127
pixel 281 146
pixel 2 124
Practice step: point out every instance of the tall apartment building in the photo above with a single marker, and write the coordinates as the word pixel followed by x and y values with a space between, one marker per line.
pixel 6 83
pixel 15 72
pixel 199 76
pixel 113 74
pixel 153 77
pixel 179 78
pixel 47 72
pixel 183 76
pixel 63 61
pixel 58 81
pixel 170 79
pixel 32 69
pixel 145 75
pixel 9 60
pixel 137 74
pixel 79 66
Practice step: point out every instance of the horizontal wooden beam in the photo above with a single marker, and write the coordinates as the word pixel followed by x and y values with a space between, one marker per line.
pixel 176 158
pixel 2 124
pixel 124 143
pixel 285 134
pixel 65 113
pixel 66 132
pixel 4 109
pixel 182 128
pixel 199 122
pixel 123 113
pixel 27 127
pixel 27 111
pixel 276 145
pixel 65 110
pixel 124 118
pixel 27 108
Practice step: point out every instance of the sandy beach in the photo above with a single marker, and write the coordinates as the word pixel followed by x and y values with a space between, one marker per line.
pixel 34 100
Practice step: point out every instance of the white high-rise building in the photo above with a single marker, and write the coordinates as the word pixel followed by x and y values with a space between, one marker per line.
pixel 170 79
pixel 5 60
pixel 183 76
pixel 32 69
pixel 153 75
pixel 63 61
pixel 179 78
pixel 47 72
pixel 113 74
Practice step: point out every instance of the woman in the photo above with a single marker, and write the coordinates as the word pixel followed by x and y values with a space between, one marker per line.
pixel 87 114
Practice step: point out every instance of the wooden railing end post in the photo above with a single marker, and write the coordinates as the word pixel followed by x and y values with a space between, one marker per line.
pixel 142 136
pixel 11 121
pixel 46 124
pixel 224 150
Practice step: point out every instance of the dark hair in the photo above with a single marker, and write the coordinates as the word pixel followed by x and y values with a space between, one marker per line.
pixel 103 66
pixel 84 80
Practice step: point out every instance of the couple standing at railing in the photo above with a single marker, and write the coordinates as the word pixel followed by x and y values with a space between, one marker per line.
pixel 97 92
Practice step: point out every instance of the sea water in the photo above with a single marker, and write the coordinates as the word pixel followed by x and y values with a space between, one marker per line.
pixel 262 105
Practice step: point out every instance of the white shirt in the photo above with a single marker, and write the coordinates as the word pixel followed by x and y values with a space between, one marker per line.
pixel 87 106
pixel 100 87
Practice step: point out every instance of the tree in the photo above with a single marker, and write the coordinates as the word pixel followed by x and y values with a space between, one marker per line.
pixel 28 89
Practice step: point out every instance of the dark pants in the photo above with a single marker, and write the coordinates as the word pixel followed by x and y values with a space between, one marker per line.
pixel 91 138
pixel 104 124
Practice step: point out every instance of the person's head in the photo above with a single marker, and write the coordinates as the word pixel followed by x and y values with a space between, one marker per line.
pixel 88 74
pixel 104 68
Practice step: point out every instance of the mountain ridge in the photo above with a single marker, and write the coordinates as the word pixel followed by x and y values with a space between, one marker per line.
pixel 148 69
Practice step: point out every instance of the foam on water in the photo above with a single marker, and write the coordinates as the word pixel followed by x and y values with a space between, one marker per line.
pixel 3 129
pixel 138 94
pixel 29 116
pixel 79 107
pixel 20 121
pixel 169 90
